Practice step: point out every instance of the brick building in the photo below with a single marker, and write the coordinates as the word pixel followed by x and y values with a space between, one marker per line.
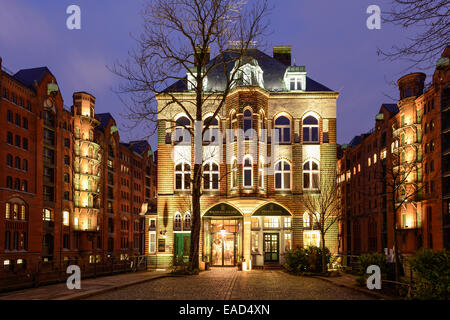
pixel 416 129
pixel 61 195
pixel 248 213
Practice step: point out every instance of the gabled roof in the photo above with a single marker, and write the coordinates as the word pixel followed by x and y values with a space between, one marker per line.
pixel 139 146
pixel 104 119
pixel 28 76
pixel 391 107
pixel 273 73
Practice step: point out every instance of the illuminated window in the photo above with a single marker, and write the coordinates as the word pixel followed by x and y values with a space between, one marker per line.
pixel 375 158
pixel 287 222
pixel 311 238
pixel 287 241
pixel 47 214
pixel 8 211
pixel 282 175
pixel 22 212
pixel 66 218
pixel 271 222
pixel 311 175
pixel 369 161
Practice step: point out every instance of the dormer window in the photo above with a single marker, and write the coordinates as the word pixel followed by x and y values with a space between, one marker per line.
pixel 295 84
pixel 295 78
pixel 249 74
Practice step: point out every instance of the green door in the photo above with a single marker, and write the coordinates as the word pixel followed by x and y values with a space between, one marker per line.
pixel 271 247
pixel 182 244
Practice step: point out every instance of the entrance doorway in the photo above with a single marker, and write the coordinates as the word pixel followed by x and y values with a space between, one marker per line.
pixel 223 253
pixel 271 247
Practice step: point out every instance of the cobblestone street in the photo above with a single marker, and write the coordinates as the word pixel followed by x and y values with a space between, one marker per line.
pixel 227 283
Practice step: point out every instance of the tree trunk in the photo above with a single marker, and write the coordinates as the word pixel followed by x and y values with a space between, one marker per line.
pixel 324 264
pixel 196 217
pixel 396 254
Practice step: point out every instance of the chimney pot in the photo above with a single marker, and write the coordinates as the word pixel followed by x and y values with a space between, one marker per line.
pixel 283 54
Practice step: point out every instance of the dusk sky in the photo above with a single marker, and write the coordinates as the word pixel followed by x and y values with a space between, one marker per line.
pixel 329 37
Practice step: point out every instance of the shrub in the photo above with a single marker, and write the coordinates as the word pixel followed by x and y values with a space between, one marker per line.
pixel 431 274
pixel 315 258
pixel 369 259
pixel 297 261
pixel 302 260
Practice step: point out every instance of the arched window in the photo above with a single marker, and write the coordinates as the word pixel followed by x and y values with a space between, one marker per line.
pixel 248 172
pixel 310 130
pixel 234 170
pixel 213 131
pixel 282 175
pixel 181 130
pixel 211 176
pixel 311 175
pixel 248 122
pixel 187 221
pixel 283 126
pixel 177 221
pixel 183 176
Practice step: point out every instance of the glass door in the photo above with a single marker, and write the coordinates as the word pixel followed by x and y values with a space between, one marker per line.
pixel 217 249
pixel 271 247
pixel 223 253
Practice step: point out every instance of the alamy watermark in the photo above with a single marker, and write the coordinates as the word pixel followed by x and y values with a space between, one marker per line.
pixel 73 22
pixel 374 20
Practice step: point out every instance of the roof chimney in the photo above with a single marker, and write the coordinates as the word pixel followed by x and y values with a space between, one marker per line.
pixel 283 54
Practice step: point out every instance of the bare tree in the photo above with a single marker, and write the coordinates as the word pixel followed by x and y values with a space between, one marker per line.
pixel 324 209
pixel 174 49
pixel 431 16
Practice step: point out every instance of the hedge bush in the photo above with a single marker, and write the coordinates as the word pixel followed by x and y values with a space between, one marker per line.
pixel 431 271
pixel 302 260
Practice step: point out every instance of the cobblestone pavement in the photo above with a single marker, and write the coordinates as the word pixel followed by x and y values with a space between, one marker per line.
pixel 227 283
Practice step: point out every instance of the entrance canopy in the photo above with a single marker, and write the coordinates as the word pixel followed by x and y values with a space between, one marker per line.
pixel 271 209
pixel 223 210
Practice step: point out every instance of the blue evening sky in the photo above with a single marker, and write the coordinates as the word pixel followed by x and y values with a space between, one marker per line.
pixel 329 37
